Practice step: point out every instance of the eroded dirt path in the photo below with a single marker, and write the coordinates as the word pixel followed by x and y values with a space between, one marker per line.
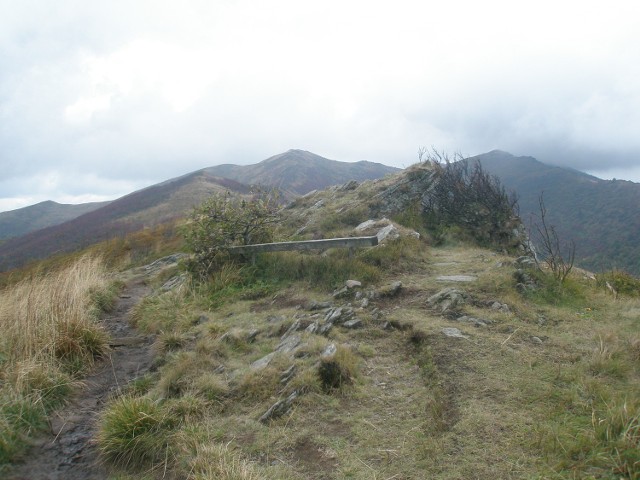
pixel 68 452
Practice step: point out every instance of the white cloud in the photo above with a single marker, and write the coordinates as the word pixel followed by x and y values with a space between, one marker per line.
pixel 131 90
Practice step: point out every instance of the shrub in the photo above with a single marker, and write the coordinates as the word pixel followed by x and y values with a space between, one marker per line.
pixel 226 220
pixel 621 282
pixel 463 194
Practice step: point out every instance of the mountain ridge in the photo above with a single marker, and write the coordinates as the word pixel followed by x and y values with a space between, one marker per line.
pixel 175 198
pixel 20 221
pixel 599 215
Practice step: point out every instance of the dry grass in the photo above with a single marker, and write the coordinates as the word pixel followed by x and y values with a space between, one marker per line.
pixel 52 317
pixel 49 334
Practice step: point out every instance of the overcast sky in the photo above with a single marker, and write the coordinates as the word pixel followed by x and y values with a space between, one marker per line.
pixel 98 99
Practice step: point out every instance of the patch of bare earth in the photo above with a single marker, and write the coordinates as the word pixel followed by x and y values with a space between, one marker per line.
pixel 68 450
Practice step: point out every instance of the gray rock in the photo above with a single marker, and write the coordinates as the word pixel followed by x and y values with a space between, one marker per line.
pixel 164 262
pixel 448 299
pixel 365 225
pixel 289 344
pixel 453 332
pixel 390 232
pixel 526 261
pixel 333 314
pixel 324 329
pixel 536 340
pixel 294 326
pixel 500 307
pixel 350 185
pixel 341 293
pixel 174 282
pixel 355 323
pixel 364 303
pixel 280 407
pixel 329 351
pixel 318 305
pixel 476 322
pixel 288 374
pixel 390 290
pixel 352 284
pixel 251 336
pixel 263 362
pixel 524 281
pixel 312 328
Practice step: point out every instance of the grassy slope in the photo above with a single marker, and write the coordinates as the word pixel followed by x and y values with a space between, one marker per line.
pixel 500 404
pixel 547 390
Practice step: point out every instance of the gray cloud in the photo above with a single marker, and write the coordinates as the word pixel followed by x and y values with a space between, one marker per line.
pixel 113 96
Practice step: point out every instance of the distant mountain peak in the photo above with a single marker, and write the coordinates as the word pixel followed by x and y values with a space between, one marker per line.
pixel 300 171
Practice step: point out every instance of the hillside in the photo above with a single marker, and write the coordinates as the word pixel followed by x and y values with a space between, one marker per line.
pixel 426 356
pixel 144 208
pixel 41 215
pixel 601 216
pixel 300 172
pixel 412 359
pixel 293 172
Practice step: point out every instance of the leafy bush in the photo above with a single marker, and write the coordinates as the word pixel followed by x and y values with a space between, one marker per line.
pixel 226 220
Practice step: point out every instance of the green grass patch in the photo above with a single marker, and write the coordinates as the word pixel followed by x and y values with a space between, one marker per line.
pixel 135 432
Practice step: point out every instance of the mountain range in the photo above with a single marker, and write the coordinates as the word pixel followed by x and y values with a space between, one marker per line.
pixel 602 217
pixel 41 215
pixel 294 172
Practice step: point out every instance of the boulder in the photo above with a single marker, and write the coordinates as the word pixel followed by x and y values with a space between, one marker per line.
pixel 355 323
pixel 390 232
pixel 448 299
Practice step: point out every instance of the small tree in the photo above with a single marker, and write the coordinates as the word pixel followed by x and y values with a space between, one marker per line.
pixel 225 220
pixel 550 247
pixel 466 195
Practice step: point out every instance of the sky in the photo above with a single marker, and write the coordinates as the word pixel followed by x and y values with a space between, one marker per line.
pixel 98 99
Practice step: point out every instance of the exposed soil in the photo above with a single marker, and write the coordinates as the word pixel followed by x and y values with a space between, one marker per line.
pixel 68 451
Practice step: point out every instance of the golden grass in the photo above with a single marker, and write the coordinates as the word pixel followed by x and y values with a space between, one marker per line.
pixel 51 317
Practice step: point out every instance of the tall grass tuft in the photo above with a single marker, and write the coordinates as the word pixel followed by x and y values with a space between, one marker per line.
pixel 49 331
pixel 215 461
pixel 51 317
pixel 134 432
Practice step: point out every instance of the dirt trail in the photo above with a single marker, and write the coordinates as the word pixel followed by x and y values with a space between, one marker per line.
pixel 68 451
